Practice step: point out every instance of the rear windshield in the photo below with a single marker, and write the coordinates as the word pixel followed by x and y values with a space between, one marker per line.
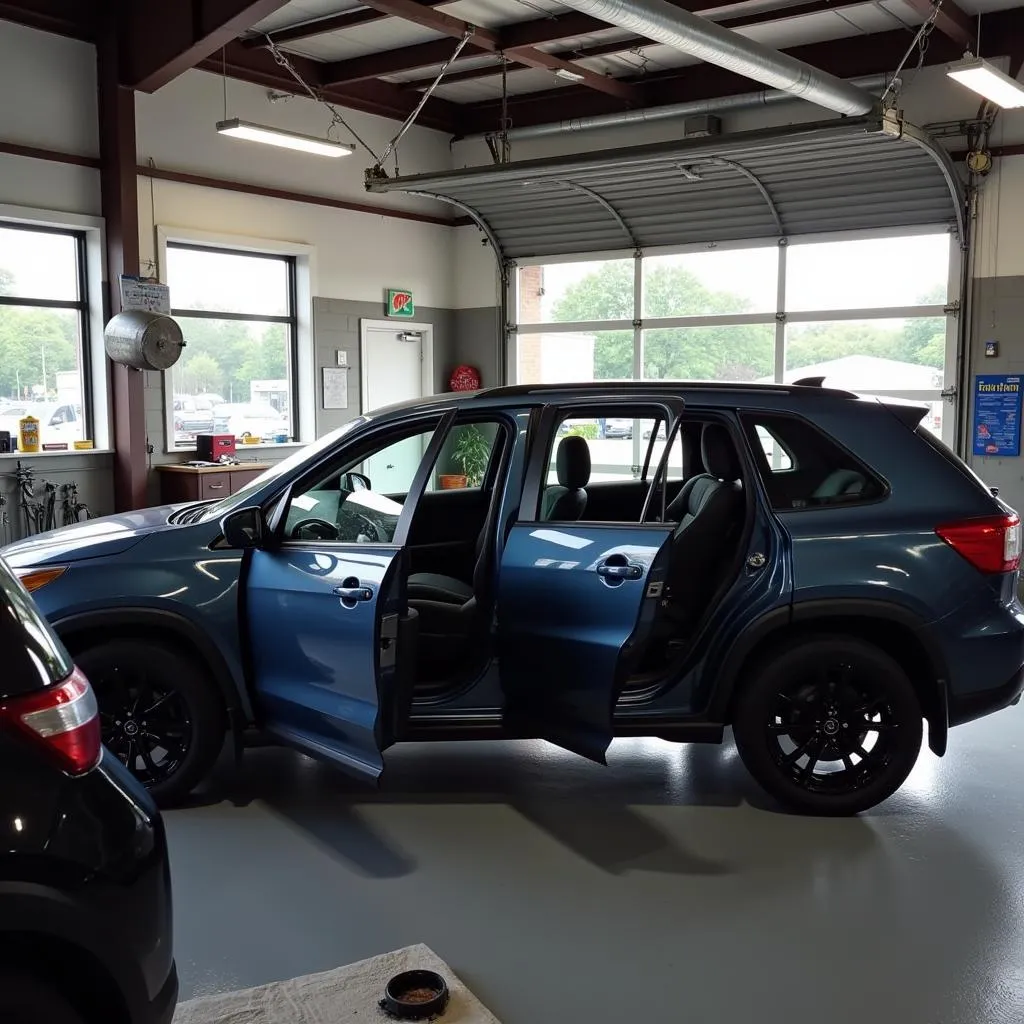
pixel 33 657
pixel 951 457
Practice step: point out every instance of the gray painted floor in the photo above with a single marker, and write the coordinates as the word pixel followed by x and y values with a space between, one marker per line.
pixel 664 887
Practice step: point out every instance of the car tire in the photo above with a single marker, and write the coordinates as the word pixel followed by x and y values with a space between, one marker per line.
pixel 24 999
pixel 829 701
pixel 159 694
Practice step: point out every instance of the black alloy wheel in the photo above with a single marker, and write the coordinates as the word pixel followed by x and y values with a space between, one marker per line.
pixel 148 728
pixel 830 725
pixel 160 713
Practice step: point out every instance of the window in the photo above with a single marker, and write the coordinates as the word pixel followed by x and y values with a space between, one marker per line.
pixel 617 444
pixel 360 501
pixel 866 313
pixel 576 292
pixel 711 283
pixel 237 311
pixel 802 468
pixel 44 323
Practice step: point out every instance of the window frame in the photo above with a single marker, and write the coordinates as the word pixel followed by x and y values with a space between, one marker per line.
pixel 83 306
pixel 781 318
pixel 290 320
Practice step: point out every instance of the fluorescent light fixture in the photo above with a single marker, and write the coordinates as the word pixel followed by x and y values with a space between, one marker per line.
pixel 238 129
pixel 981 77
pixel 567 75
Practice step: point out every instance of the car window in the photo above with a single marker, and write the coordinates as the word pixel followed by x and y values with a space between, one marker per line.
pixel 616 448
pixel 803 468
pixel 360 501
pixel 465 457
pixel 613 454
pixel 779 460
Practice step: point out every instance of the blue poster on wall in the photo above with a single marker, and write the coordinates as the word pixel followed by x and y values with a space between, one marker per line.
pixel 997 405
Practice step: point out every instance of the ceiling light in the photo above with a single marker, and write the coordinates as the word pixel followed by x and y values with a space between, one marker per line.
pixel 288 140
pixel 987 81
pixel 568 75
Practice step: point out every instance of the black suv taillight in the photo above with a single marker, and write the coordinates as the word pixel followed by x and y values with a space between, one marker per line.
pixel 989 543
pixel 63 719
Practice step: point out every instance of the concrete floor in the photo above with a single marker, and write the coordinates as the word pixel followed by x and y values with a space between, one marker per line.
pixel 664 887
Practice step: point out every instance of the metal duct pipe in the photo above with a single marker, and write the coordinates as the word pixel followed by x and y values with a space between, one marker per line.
pixel 691 108
pixel 664 22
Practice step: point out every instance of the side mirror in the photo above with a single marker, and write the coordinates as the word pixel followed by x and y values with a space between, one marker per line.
pixel 244 528
pixel 358 482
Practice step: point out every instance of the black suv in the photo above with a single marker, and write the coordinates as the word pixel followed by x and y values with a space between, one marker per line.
pixel 85 897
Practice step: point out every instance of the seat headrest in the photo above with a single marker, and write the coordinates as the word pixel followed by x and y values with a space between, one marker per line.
pixel 719 453
pixel 572 462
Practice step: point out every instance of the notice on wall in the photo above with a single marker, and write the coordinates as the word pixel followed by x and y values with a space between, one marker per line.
pixel 335 387
pixel 145 294
pixel 997 408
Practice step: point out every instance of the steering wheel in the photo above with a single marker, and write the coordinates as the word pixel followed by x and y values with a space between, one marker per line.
pixel 318 529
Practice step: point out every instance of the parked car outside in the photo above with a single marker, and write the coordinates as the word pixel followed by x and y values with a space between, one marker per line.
pixel 58 421
pixel 252 419
pixel 85 901
pixel 814 569
pixel 618 426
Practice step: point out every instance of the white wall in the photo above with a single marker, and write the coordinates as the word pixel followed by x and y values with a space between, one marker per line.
pixel 358 255
pixel 49 89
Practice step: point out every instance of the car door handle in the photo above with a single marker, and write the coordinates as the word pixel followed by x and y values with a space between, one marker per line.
pixel 620 572
pixel 354 593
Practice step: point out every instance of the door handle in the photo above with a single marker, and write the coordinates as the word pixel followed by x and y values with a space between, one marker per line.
pixel 353 593
pixel 620 572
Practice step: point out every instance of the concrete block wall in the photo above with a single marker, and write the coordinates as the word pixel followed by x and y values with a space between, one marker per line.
pixel 336 326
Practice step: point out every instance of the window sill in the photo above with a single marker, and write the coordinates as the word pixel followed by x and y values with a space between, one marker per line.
pixel 240 449
pixel 70 453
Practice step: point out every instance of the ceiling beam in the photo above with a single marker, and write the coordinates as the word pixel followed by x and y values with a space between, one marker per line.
pixel 952 21
pixel 381 98
pixel 76 19
pixel 390 62
pixel 627 43
pixel 332 23
pixel 846 58
pixel 159 41
pixel 493 42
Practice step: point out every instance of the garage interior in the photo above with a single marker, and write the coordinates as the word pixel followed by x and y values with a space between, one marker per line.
pixel 534 191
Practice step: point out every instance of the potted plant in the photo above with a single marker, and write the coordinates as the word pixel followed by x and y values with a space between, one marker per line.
pixel 472 453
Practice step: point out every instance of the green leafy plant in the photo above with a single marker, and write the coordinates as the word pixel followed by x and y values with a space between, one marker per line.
pixel 472 453
pixel 584 430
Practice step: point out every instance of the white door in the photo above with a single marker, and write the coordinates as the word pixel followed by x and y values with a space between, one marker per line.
pixel 396 367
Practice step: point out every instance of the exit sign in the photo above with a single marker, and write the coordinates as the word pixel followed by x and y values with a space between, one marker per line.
pixel 400 303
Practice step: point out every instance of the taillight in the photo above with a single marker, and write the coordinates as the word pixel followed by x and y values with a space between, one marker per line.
pixel 64 719
pixel 989 543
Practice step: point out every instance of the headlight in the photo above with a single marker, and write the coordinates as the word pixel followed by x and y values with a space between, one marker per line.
pixel 33 579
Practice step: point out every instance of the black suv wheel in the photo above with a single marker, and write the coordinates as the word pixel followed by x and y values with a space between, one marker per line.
pixel 829 725
pixel 161 715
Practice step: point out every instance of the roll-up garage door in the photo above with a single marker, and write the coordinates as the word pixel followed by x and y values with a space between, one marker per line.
pixel 853 174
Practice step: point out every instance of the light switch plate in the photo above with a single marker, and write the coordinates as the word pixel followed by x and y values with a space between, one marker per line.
pixel 342 357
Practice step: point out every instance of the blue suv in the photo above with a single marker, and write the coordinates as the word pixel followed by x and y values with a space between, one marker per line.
pixel 813 568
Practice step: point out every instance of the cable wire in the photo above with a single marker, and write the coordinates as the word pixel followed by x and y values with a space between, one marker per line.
pixel 921 41
pixel 336 115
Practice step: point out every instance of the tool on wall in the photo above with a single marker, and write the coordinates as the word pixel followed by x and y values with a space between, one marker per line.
pixel 72 510
pixel 5 522
pixel 31 510
pixel 49 510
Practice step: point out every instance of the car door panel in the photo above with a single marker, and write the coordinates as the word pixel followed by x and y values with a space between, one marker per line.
pixel 571 610
pixel 324 629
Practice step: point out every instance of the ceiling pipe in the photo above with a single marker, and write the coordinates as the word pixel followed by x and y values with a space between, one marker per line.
pixel 663 22
pixel 691 108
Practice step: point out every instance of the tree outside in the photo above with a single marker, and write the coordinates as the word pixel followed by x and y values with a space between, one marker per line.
pixel 728 352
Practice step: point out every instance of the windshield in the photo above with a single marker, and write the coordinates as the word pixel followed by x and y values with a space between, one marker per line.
pixel 285 466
